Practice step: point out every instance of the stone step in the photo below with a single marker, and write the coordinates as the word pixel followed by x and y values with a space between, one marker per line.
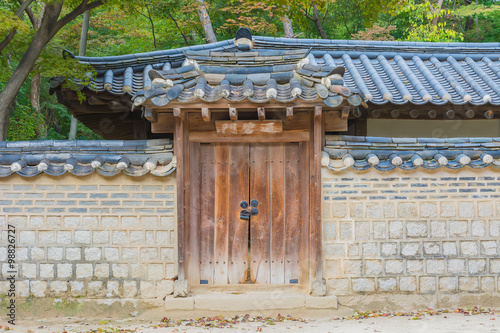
pixel 249 302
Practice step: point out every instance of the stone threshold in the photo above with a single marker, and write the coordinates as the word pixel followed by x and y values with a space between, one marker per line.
pixel 249 302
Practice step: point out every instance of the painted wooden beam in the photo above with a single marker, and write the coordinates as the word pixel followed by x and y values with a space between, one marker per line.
pixel 177 112
pixel 233 114
pixel 289 113
pixel 345 111
pixel 261 112
pixel 206 114
pixel 151 115
pixel 249 128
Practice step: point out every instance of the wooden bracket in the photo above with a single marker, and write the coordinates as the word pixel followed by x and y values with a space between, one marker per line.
pixel 318 111
pixel 177 112
pixel 289 113
pixel 206 114
pixel 233 114
pixel 151 115
pixel 345 111
pixel 261 112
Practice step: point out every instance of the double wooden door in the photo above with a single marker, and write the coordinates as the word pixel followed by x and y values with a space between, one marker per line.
pixel 252 219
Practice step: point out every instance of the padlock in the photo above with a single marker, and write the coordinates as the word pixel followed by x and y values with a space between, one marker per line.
pixel 245 214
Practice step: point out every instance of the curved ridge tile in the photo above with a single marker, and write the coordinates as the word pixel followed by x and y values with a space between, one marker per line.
pixel 424 94
pixel 445 96
pixel 469 79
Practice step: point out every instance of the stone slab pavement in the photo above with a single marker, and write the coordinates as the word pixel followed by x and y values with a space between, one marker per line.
pixel 445 322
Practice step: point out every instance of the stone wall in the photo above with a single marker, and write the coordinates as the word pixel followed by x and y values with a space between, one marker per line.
pixel 91 236
pixel 415 232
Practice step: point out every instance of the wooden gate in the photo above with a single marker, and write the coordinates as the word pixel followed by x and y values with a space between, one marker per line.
pixel 253 217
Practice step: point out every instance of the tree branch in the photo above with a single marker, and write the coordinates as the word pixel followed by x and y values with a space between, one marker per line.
pixel 80 9
pixel 178 28
pixel 10 36
pixel 30 13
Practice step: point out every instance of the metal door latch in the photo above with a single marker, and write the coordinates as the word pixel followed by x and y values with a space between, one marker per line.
pixel 245 214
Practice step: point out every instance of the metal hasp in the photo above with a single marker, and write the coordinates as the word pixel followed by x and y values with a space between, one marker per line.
pixel 245 214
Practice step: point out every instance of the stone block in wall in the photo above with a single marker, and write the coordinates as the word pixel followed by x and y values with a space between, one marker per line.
pixel 389 210
pixel 55 253
pixel 338 286
pixel 495 266
pixel 23 288
pixel 389 249
pixel 428 209
pixel 489 248
pixel 58 288
pixel 64 238
pixel 495 228
pixel 407 210
pixel 373 267
pixel 478 228
pixel 38 288
pixel 111 254
pixel 356 210
pixel 64 271
pixel 466 209
pixel 456 266
pixel 137 271
pixel 469 249
pixel 84 271
pixel 96 289
pixel 72 253
pixel 370 250
pixel 434 266
pixel 458 228
pixel 374 210
pixel 329 231
pixel 82 237
pixel 408 283
pixel 92 254
pixel 438 229
pixel 346 230
pixel 477 266
pixel 47 271
pixel 427 284
pixel 353 250
pixel 164 288
pixel 395 230
pixel 156 271
pixel 485 209
pixel 363 285
pixel 379 230
pixel 333 268
pixel 415 266
pixel 101 271
pixel 410 249
pixel 448 284
pixel 362 230
pixel 147 289
pixel 394 266
pixel 119 271
pixel 450 249
pixel 113 288
pixel 352 267
pixel 339 210
pixel 432 248
pixel 29 271
pixel 387 284
pixel 416 229
pixel 468 283
pixel 488 284
pixel 129 289
pixel 448 209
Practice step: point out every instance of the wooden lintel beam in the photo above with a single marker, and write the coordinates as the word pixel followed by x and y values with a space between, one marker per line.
pixel 96 101
pixel 151 115
pixel 206 114
pixel 233 114
pixel 177 112
pixel 289 113
pixel 115 105
pixel 261 113
pixel 345 111
pixel 318 111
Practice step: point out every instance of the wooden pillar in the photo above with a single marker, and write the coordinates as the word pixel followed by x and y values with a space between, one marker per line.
pixel 182 176
pixel 316 272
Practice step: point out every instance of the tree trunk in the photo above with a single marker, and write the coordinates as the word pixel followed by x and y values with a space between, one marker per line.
pixel 435 20
pixel 287 26
pixel 317 22
pixel 205 22
pixel 47 30
pixel 36 81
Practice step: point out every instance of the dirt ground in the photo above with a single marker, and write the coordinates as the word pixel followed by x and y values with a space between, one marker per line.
pixel 342 320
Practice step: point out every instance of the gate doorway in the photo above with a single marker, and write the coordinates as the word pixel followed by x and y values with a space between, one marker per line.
pixel 252 218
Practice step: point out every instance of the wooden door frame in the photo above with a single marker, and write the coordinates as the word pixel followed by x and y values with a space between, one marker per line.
pixel 186 234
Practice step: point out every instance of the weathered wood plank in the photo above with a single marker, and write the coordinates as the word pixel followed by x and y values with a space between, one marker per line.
pixel 293 217
pixel 164 123
pixel 177 112
pixel 249 128
pixel 304 206
pixel 277 164
pixel 151 115
pixel 334 122
pixel 289 113
pixel 221 213
pixel 238 228
pixel 194 213
pixel 315 198
pixel 207 212
pixel 260 223
pixel 287 136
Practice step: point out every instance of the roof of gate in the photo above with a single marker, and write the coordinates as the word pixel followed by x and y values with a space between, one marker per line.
pixel 381 72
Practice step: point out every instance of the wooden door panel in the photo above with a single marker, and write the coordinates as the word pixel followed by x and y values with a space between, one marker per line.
pixel 293 196
pixel 221 213
pixel 260 223
pixel 207 212
pixel 238 228
pixel 277 206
